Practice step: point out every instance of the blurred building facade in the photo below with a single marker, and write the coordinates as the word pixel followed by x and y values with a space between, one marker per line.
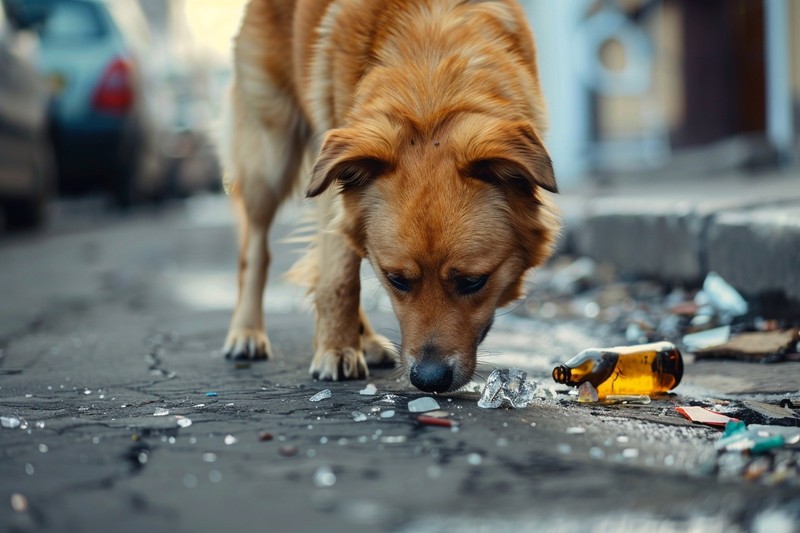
pixel 634 85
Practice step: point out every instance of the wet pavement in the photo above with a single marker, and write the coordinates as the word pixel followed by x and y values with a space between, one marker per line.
pixel 131 420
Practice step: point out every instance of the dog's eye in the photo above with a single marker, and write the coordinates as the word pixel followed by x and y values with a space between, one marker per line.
pixel 399 282
pixel 470 284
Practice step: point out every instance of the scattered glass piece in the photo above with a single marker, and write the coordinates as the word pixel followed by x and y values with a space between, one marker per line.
pixel 358 416
pixel 211 394
pixel 641 399
pixel 390 398
pixel 369 390
pixel 324 477
pixel 587 393
pixel 388 413
pixel 321 395
pixel 707 339
pixel 507 385
pixel 160 411
pixel 19 502
pixel 422 405
pixel 230 439
pixel 723 297
pixel 288 451
pixel 184 422
pixel 39 425
pixel 9 422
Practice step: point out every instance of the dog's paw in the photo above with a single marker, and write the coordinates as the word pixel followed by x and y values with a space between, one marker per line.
pixel 336 364
pixel 378 351
pixel 247 343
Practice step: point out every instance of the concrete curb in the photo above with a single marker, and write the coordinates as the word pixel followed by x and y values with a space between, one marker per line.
pixel 746 229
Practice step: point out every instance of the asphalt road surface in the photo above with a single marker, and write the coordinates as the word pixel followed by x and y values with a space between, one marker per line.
pixel 110 329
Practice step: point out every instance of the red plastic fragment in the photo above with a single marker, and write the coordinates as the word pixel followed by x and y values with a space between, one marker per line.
pixel 705 416
pixel 426 420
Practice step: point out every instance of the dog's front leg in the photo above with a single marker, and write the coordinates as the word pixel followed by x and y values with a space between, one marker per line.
pixel 337 342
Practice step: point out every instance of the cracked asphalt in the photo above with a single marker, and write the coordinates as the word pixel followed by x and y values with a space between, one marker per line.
pixel 110 328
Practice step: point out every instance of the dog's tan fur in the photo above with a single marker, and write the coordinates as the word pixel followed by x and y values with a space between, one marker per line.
pixel 425 118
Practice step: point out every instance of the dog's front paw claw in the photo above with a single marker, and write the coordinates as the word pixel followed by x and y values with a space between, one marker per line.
pixel 336 364
pixel 379 351
pixel 247 344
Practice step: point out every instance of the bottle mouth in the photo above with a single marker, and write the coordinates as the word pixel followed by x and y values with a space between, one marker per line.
pixel 674 365
pixel 562 374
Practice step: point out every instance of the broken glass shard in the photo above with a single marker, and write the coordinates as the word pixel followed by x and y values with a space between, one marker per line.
pixel 723 297
pixel 184 422
pixel 358 416
pixel 707 338
pixel 369 390
pixel 507 385
pixel 160 411
pixel 587 393
pixel 640 399
pixel 9 422
pixel 324 477
pixel 230 440
pixel 321 395
pixel 422 405
pixel 387 414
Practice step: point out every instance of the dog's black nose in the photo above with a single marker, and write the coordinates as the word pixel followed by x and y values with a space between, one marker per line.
pixel 431 375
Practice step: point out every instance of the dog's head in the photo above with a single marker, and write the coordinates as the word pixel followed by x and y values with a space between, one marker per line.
pixel 450 221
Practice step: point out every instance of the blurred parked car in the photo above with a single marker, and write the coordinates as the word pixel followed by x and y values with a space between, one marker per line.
pixel 26 171
pixel 103 125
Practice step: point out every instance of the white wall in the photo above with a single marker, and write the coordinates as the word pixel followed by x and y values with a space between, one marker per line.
pixel 554 23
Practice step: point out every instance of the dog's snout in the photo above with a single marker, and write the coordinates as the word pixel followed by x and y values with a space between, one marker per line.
pixel 431 373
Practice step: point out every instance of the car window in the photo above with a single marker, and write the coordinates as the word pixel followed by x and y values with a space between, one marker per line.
pixel 72 21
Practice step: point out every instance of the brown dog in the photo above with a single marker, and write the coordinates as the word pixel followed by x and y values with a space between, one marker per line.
pixel 425 117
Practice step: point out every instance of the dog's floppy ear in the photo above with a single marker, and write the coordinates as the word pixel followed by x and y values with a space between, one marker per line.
pixel 347 159
pixel 519 158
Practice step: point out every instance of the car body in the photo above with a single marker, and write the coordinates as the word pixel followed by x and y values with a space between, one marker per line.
pixel 105 135
pixel 26 171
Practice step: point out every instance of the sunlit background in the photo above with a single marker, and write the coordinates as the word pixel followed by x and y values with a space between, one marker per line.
pixel 636 89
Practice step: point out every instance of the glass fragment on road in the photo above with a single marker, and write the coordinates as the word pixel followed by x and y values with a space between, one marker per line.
pixel 422 405
pixel 321 395
pixel 507 386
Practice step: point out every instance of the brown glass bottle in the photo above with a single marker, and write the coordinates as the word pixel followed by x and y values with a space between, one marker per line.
pixel 643 369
